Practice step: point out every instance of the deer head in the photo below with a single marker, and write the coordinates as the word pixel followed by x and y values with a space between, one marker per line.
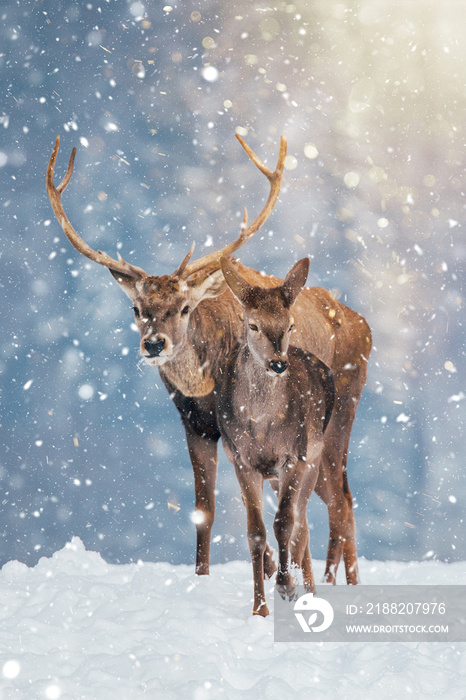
pixel 268 317
pixel 162 305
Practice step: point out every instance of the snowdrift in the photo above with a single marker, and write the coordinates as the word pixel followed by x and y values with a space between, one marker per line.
pixel 76 628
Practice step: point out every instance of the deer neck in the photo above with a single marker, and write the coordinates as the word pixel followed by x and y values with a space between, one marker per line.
pixel 188 373
pixel 262 387
pixel 212 334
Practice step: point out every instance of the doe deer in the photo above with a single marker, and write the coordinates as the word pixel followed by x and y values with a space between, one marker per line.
pixel 274 402
pixel 189 322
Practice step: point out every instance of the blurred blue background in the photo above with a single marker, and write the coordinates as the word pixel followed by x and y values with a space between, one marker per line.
pixel 371 98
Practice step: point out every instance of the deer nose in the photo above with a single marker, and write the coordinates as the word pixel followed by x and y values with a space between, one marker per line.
pixel 278 366
pixel 154 349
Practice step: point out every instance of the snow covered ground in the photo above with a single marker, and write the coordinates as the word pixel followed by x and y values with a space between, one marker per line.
pixel 76 628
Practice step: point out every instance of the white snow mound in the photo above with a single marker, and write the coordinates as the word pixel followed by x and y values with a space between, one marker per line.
pixel 76 628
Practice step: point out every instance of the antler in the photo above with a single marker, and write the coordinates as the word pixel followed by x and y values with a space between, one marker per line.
pixel 208 263
pixel 212 261
pixel 81 246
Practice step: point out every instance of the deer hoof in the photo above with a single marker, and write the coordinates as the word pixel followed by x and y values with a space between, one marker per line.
pixel 262 610
pixel 202 570
pixel 287 592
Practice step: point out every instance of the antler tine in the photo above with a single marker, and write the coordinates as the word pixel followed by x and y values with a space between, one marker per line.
pixel 275 179
pixel 181 268
pixel 212 261
pixel 75 240
pixel 69 171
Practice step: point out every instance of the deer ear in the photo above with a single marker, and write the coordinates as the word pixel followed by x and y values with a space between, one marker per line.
pixel 237 284
pixel 205 286
pixel 126 282
pixel 295 281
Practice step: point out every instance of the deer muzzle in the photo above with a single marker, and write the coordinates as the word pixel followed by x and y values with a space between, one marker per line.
pixel 278 366
pixel 154 349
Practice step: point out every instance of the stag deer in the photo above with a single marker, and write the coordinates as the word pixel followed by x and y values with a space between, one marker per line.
pixel 274 402
pixel 188 327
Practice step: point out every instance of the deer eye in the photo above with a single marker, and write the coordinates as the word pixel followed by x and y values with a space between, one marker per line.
pixel 253 327
pixel 185 310
pixel 136 311
pixel 291 328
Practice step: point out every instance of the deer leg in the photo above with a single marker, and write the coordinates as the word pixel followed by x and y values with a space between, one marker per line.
pixel 269 565
pixel 251 485
pixel 332 487
pixel 324 491
pixel 342 540
pixel 332 484
pixel 203 454
pixel 300 552
pixel 350 554
pixel 308 576
pixel 283 525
